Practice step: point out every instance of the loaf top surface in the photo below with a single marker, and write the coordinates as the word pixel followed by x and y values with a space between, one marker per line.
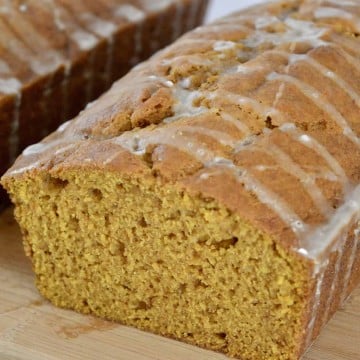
pixel 39 36
pixel 258 110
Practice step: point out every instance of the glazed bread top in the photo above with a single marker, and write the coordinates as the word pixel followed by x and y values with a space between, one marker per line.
pixel 258 110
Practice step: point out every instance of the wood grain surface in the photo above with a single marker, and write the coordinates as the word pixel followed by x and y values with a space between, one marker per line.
pixel 31 328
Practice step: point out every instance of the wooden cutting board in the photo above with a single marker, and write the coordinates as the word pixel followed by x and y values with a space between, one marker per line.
pixel 31 328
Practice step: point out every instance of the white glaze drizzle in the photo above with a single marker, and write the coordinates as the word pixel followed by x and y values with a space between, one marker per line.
pixel 4 68
pixel 155 38
pixel 130 13
pixel 234 121
pixel 246 101
pixel 57 17
pixel 323 267
pixel 337 13
pixel 323 70
pixel 64 126
pixel 265 21
pixel 178 21
pixel 195 60
pixel 307 180
pixel 25 168
pixel 158 5
pixel 351 263
pixel 332 12
pixel 262 168
pixel 315 308
pixel 138 41
pixel 111 158
pixel 109 60
pixel 65 91
pixel 324 105
pixel 105 29
pixel 328 232
pixel 220 27
pixel 23 8
pixel 280 92
pixel 224 45
pixel 192 17
pixel 16 48
pixel 221 137
pixel 85 40
pixel 45 59
pixel 191 40
pixel 45 106
pixel 343 2
pixel 346 55
pixel 10 86
pixel 321 150
pixel 34 149
pixel 325 236
pixel 137 16
pixel 61 26
pixel 297 31
pixel 63 144
pixel 64 149
pixel 89 76
pixel 40 148
pixel 161 80
pixel 331 297
pixel 97 25
pixel 15 124
pixel 186 83
pixel 184 107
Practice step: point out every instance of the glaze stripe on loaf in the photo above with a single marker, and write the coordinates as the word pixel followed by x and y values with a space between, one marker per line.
pixel 11 85
pixel 311 92
pixel 316 146
pixel 354 246
pixel 294 58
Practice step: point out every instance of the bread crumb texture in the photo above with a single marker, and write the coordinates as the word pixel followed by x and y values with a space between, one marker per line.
pixel 151 256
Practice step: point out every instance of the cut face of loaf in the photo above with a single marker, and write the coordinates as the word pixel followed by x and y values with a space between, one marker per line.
pixel 58 55
pixel 212 195
pixel 132 249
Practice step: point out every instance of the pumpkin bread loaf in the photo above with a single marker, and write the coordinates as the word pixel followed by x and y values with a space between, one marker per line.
pixel 58 55
pixel 212 195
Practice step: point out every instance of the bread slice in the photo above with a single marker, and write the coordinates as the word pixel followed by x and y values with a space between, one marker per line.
pixel 58 55
pixel 212 195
